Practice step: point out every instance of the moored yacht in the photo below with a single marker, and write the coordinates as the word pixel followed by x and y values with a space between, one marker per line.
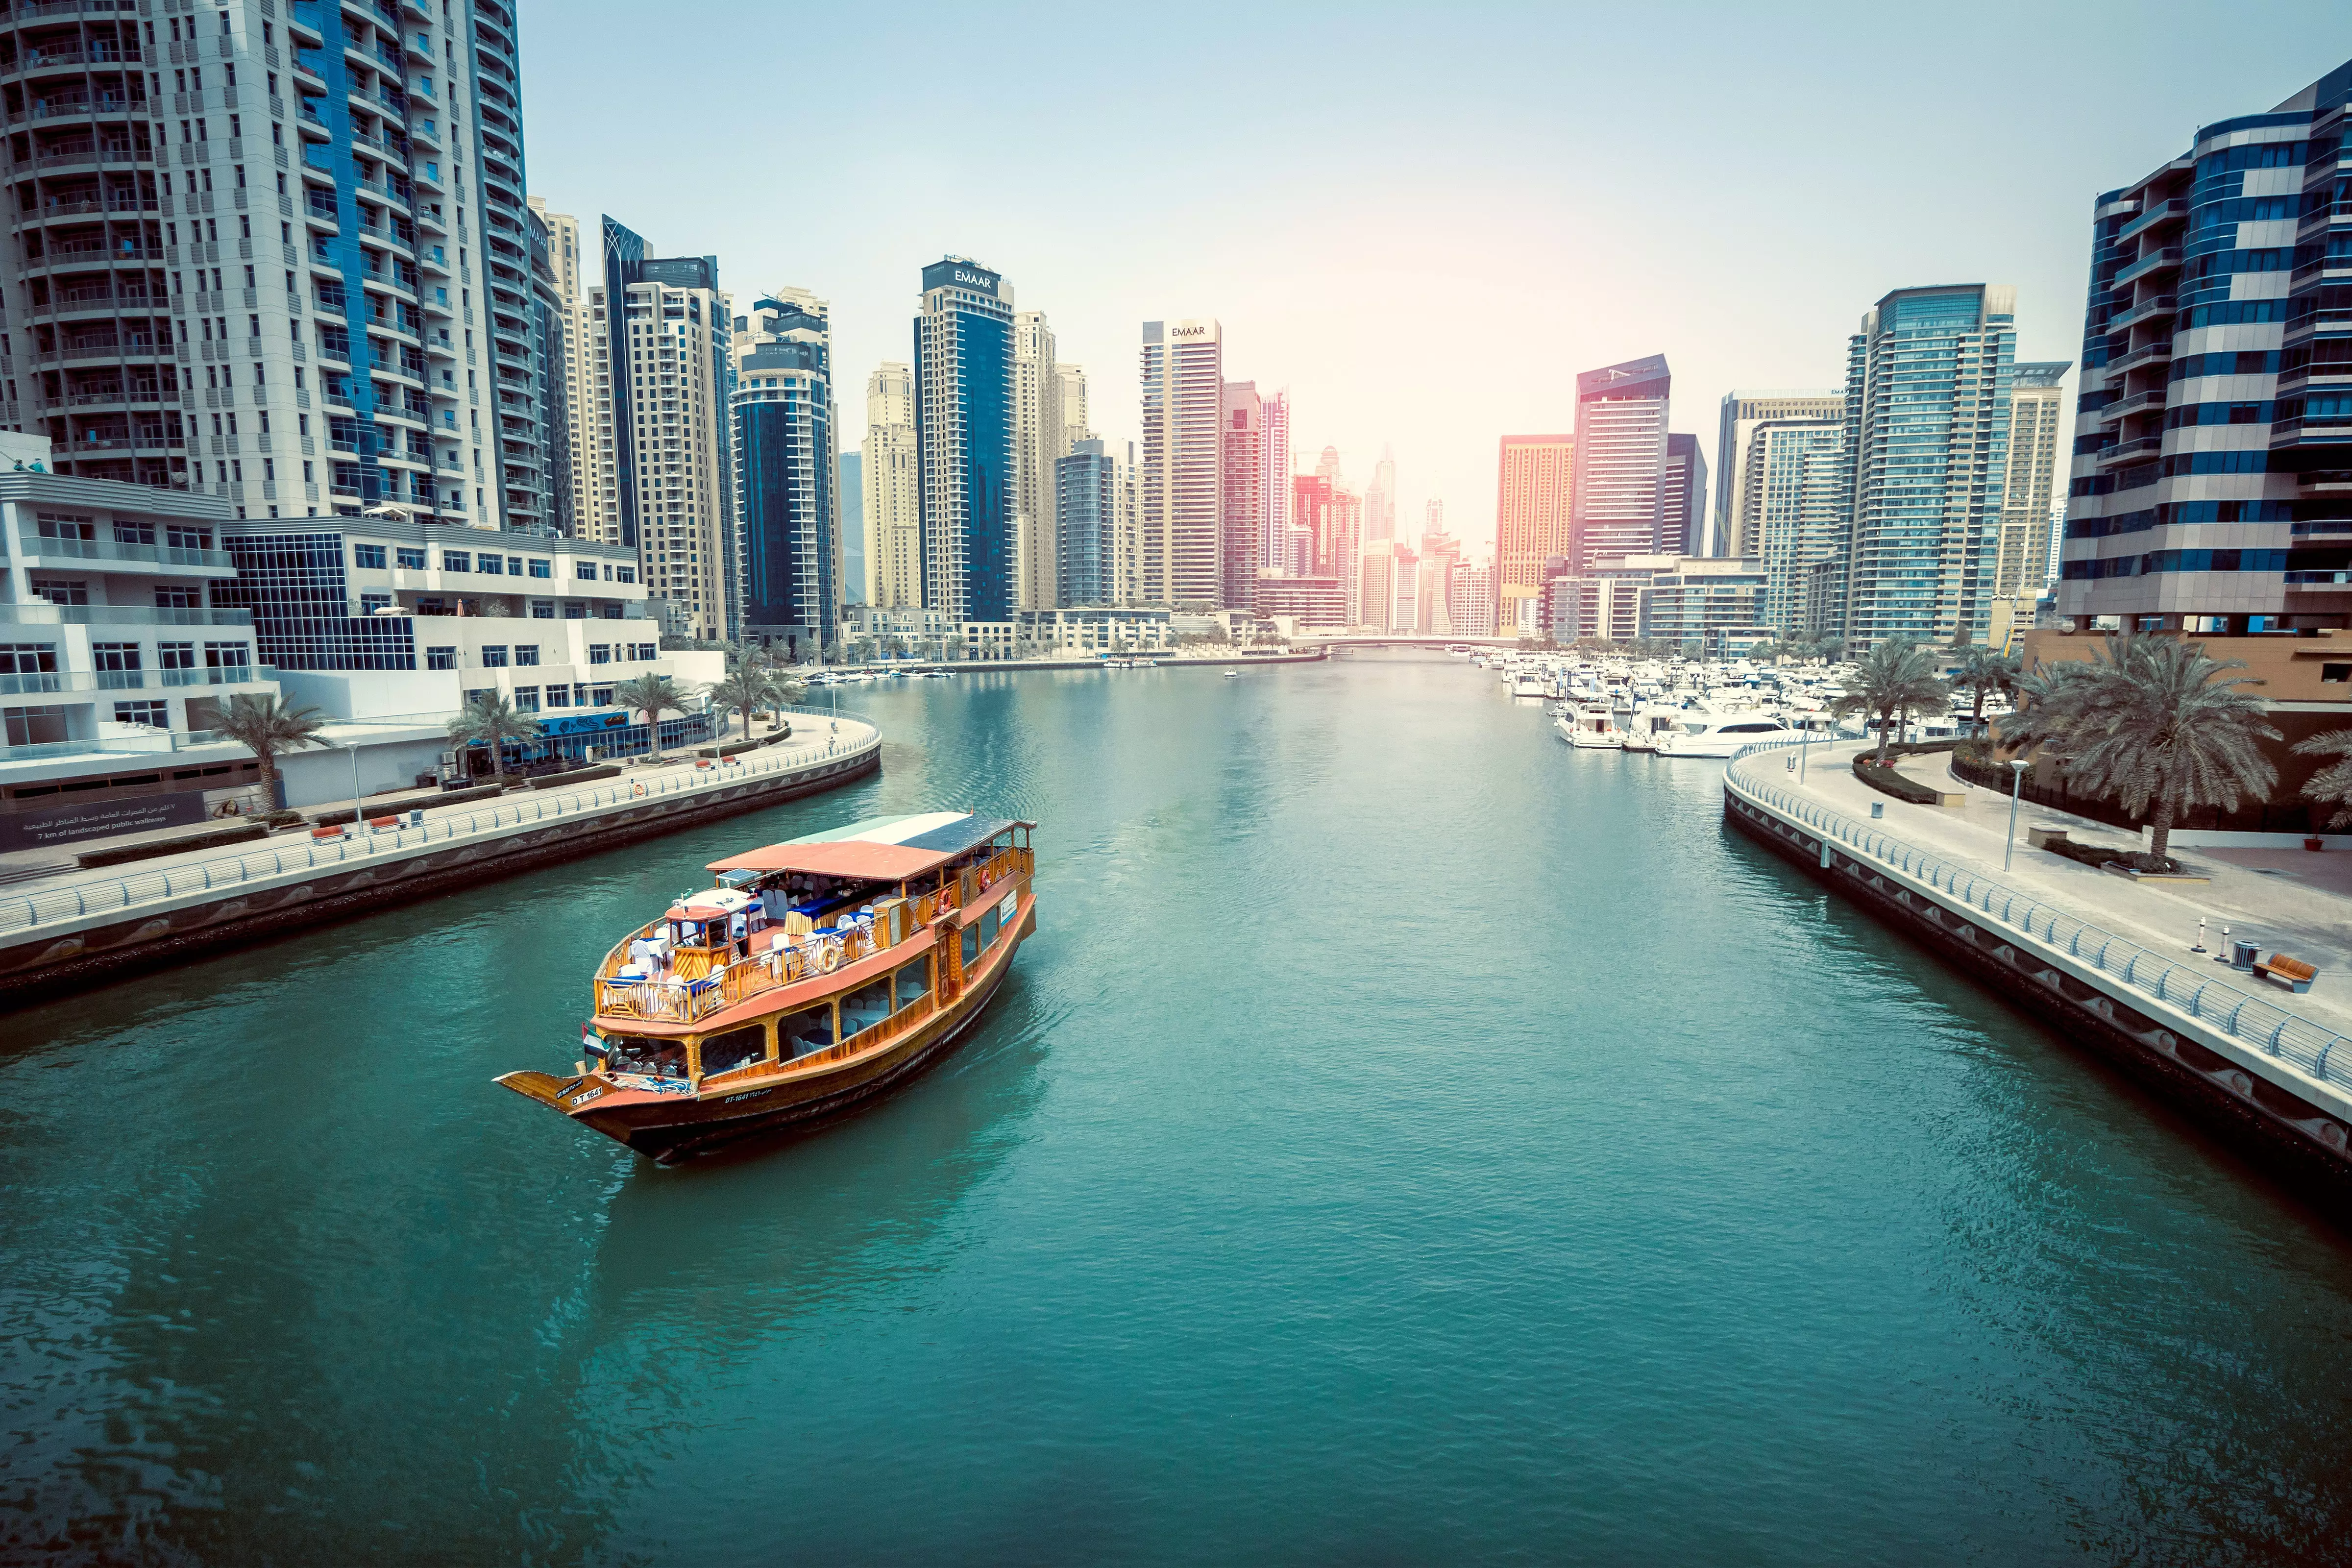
pixel 1590 729
pixel 818 973
pixel 1722 734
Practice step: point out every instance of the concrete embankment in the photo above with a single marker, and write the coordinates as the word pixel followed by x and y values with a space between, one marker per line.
pixel 2268 1070
pixel 71 932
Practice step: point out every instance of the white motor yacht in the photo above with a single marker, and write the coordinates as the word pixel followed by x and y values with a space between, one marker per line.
pixel 1721 734
pixel 1593 729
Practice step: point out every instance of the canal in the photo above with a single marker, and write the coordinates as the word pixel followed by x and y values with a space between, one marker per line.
pixel 1405 1139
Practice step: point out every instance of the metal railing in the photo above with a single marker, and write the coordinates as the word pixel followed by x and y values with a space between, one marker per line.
pixel 2192 989
pixel 28 911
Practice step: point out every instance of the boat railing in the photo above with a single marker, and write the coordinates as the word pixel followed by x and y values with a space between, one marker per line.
pixel 677 999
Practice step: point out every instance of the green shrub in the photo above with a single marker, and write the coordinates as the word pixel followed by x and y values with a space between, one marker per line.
pixel 232 833
pixel 1886 781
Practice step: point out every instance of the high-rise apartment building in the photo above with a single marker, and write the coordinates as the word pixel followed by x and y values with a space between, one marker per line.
pixel 1730 529
pixel 1243 465
pixel 894 491
pixel 1037 436
pixel 1794 516
pixel 1279 464
pixel 575 365
pixel 1682 498
pixel 307 291
pixel 1346 546
pixel 1470 600
pixel 660 330
pixel 1310 515
pixel 1086 485
pixel 1184 379
pixel 849 489
pixel 2037 415
pixel 1070 398
pixel 788 511
pixel 1618 485
pixel 1926 436
pixel 1376 568
pixel 1380 500
pixel 1534 500
pixel 964 440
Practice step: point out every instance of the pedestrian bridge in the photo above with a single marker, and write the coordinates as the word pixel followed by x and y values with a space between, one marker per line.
pixel 1394 640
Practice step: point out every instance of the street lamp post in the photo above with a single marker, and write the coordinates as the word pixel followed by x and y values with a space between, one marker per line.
pixel 353 748
pixel 2017 767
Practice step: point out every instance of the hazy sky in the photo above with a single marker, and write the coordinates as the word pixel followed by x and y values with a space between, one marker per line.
pixel 1423 220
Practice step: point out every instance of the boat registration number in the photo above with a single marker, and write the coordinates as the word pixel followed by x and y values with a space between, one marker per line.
pixel 577 1100
pixel 1010 907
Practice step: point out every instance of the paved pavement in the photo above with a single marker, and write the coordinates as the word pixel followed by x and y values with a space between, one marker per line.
pixel 2298 902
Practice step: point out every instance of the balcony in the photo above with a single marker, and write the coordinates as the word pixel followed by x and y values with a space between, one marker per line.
pixel 2128 452
pixel 228 675
pixel 2165 259
pixel 2157 216
pixel 42 614
pixel 2148 402
pixel 2160 353
pixel 2149 310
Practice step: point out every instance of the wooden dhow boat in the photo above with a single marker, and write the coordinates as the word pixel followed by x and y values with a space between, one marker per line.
pixel 816 974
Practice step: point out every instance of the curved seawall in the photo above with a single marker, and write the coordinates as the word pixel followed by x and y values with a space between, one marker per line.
pixel 2247 1064
pixel 99 926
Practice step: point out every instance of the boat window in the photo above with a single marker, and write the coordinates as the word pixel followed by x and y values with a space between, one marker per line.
pixel 735 1048
pixel 914 981
pixel 657 1056
pixel 988 929
pixel 970 946
pixel 810 1029
pixel 865 1006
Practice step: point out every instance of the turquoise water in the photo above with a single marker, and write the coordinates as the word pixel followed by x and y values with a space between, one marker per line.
pixel 1405 1140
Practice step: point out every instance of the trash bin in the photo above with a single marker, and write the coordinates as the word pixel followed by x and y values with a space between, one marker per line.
pixel 2243 953
pixel 1877 809
pixel 416 819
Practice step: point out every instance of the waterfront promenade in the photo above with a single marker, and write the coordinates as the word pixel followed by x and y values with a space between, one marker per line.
pixel 56 927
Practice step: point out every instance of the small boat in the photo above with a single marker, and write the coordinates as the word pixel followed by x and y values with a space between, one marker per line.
pixel 818 973
pixel 1590 729
pixel 1233 675
pixel 1529 684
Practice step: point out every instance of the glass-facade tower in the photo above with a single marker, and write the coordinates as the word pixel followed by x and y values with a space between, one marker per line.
pixel 963 441
pixel 786 490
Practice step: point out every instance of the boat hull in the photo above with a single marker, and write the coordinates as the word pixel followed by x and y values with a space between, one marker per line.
pixel 667 1127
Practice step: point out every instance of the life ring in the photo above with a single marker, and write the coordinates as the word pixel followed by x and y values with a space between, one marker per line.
pixel 635 790
pixel 828 959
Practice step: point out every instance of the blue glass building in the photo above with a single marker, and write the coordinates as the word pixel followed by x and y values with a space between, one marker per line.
pixel 786 490
pixel 964 439
pixel 1085 514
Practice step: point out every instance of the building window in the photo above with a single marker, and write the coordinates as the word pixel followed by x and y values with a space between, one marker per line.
pixel 35 726
pixel 158 714
pixel 409 560
pixel 491 565
pixel 179 598
pixel 601 696
pixel 494 655
pixel 176 656
pixel 371 603
pixel 440 658
pixel 526 698
pixel 526 653
pixel 369 557
pixel 2335 672
pixel 573 610
pixel 645 651
pixel 559 696
pixel 58 591
pixel 624 573
pixel 117 664
pixel 542 568
pixel 235 656
pixel 600 653
pixel 456 561
pixel 542 609
pixel 28 666
pixel 585 570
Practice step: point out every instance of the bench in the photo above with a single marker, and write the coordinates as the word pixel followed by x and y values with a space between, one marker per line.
pixel 2297 974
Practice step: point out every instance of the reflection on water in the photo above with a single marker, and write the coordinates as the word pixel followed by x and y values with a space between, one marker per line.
pixel 1405 1137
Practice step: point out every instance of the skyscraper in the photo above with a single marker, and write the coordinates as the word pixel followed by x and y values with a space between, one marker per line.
pixel 2211 456
pixel 784 446
pixel 1621 459
pixel 849 493
pixel 1243 466
pixel 1534 499
pixel 894 491
pixel 964 439
pixel 1071 400
pixel 1380 500
pixel 1278 464
pixel 1795 516
pixel 1038 437
pixel 309 268
pixel 2036 415
pixel 1086 517
pixel 1184 379
pixel 1731 530
pixel 1682 500
pixel 1311 516
pixel 660 329
pixel 1927 442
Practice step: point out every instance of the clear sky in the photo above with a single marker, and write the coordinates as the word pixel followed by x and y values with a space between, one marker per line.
pixel 1423 220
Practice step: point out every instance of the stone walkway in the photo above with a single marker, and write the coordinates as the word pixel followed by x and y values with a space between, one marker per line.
pixel 2297 901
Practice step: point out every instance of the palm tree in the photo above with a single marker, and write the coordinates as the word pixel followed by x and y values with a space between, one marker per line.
pixel 1895 677
pixel 2331 784
pixel 2146 722
pixel 1984 672
pixel 747 687
pixel 651 695
pixel 490 719
pixel 267 724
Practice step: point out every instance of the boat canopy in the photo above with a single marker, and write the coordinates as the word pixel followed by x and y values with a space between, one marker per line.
pixel 881 849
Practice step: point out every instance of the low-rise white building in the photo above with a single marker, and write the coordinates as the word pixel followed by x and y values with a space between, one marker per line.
pixel 1087 631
